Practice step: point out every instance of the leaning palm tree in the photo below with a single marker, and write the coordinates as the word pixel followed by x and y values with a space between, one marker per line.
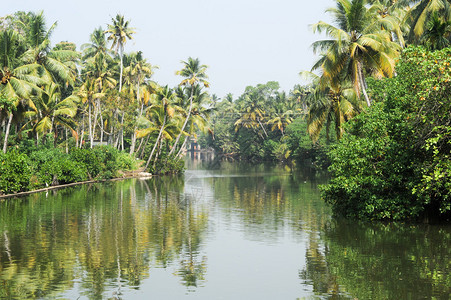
pixel 356 45
pixel 118 33
pixel 194 75
pixel 159 115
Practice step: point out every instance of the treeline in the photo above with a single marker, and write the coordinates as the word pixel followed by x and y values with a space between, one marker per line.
pixel 101 95
pixel 264 124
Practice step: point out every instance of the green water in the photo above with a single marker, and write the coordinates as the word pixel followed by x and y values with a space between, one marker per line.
pixel 221 231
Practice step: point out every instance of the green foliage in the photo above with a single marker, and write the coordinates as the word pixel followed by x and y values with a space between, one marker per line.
pixel 394 160
pixel 52 167
pixel 303 149
pixel 15 172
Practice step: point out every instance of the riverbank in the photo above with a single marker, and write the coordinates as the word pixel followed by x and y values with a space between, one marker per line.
pixel 126 175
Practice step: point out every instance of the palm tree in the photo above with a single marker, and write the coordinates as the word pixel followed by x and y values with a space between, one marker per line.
pixel 282 115
pixel 330 104
pixel 119 32
pixel 137 72
pixel 253 113
pixel 88 94
pixel 58 65
pixel 390 16
pixel 421 13
pixel 195 75
pixel 18 79
pixel 159 114
pixel 438 33
pixel 355 46
pixel 49 110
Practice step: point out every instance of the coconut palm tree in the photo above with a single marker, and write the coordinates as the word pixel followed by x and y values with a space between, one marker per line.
pixel 136 73
pixel 356 46
pixel 421 13
pixel 194 75
pixel 18 79
pixel 118 33
pixel 438 33
pixel 88 93
pixel 159 115
pixel 390 16
pixel 47 110
pixel 282 114
pixel 58 65
pixel 330 103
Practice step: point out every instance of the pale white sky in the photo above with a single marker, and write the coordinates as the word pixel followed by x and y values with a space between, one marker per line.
pixel 243 42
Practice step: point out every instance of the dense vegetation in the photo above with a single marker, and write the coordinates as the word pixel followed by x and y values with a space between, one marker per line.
pixel 394 160
pixel 100 95
pixel 385 100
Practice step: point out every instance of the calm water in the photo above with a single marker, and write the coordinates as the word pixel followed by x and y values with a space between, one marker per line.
pixel 221 231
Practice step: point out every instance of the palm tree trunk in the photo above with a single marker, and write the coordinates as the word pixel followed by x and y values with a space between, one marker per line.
pixel 8 126
pixel 121 51
pixel 182 147
pixel 133 137
pixel 363 83
pixel 144 148
pixel 261 125
pixel 184 124
pixel 91 138
pixel 156 143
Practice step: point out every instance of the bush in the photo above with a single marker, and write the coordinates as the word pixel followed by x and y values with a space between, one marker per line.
pixel 15 172
pixel 52 167
pixel 393 162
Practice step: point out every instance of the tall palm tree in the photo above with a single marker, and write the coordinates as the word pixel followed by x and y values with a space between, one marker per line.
pixel 194 75
pixel 356 45
pixel 58 65
pixel 118 33
pixel 89 94
pixel 137 72
pixel 18 79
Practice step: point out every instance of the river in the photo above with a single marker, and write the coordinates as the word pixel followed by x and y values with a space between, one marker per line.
pixel 221 231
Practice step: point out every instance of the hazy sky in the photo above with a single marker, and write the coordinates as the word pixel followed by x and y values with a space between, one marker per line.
pixel 243 42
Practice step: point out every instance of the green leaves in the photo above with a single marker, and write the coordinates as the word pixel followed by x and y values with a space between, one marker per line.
pixel 394 160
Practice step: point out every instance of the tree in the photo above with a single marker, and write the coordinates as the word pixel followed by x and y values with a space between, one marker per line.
pixel 159 115
pixel 49 110
pixel 422 12
pixel 58 65
pixel 194 74
pixel 356 45
pixel 437 34
pixel 118 33
pixel 18 79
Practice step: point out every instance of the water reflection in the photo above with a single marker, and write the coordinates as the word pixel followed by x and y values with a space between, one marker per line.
pixel 102 237
pixel 236 231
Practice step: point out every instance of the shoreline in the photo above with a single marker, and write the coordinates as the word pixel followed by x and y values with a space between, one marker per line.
pixel 128 175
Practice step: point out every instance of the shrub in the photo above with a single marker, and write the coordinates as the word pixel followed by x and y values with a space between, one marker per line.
pixel 15 172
